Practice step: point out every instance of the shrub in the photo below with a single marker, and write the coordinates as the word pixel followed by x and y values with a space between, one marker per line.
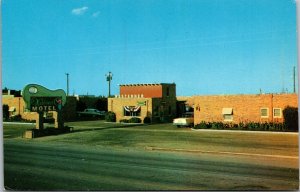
pixel 124 121
pixel 254 126
pixel 235 126
pixel 147 120
pixel 201 125
pixel 5 112
pixel 242 126
pixel 135 120
pixel 16 118
pixel 290 115
pixel 265 126
pixel 217 125
pixel 110 116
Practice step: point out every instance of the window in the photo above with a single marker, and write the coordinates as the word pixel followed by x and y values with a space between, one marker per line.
pixel 227 114
pixel 132 111
pixel 264 112
pixel 277 113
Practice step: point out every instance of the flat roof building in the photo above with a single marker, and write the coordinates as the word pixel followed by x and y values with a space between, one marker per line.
pixel 156 101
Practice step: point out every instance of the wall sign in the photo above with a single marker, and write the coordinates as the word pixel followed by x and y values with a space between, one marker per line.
pixel 41 99
pixel 141 103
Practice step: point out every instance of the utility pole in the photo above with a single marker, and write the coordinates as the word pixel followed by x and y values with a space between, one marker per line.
pixel 294 78
pixel 109 78
pixel 67 84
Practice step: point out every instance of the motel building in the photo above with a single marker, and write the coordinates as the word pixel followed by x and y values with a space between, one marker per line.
pixel 160 103
pixel 241 108
pixel 156 101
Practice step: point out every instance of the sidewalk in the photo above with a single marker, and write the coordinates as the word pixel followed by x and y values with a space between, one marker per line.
pixel 18 123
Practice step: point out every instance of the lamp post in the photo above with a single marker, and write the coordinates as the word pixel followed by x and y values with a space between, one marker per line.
pixel 109 78
pixel 294 79
pixel 67 84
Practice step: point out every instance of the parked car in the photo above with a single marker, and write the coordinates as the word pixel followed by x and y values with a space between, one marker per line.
pixel 91 113
pixel 187 120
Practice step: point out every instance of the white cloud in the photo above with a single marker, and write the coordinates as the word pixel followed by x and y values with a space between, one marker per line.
pixel 96 14
pixel 79 11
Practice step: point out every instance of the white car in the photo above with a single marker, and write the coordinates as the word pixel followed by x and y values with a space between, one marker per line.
pixel 186 121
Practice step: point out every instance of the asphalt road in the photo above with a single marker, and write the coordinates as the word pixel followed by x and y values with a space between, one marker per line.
pixel 43 166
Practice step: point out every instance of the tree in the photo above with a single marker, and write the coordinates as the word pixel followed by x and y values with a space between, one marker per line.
pixel 5 112
pixel 101 104
pixel 290 115
pixel 80 106
pixel 110 117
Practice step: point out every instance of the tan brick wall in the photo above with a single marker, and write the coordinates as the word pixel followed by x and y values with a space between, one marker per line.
pixel 157 109
pixel 161 101
pixel 246 108
pixel 117 106
pixel 19 104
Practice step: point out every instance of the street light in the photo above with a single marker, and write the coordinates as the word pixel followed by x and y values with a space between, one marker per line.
pixel 67 83
pixel 109 78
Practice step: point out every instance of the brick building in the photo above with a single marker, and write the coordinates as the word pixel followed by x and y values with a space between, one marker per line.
pixel 156 101
pixel 242 108
pixel 16 106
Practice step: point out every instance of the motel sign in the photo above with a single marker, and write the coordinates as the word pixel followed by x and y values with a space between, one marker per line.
pixel 45 104
pixel 40 99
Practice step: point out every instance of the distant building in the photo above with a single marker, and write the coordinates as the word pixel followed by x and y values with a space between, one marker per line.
pixel 242 108
pixel 156 101
pixel 11 93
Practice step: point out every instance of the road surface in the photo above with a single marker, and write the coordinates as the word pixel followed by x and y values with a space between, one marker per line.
pixel 42 166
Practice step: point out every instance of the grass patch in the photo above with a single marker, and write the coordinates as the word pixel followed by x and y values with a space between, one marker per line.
pixel 167 136
pixel 15 130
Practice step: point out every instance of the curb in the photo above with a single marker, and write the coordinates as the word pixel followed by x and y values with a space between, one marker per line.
pixel 18 123
pixel 222 152
pixel 244 131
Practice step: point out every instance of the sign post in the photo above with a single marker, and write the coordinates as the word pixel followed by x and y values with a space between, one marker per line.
pixel 40 99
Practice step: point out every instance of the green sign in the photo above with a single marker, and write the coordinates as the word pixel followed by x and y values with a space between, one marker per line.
pixel 141 103
pixel 40 104
pixel 40 99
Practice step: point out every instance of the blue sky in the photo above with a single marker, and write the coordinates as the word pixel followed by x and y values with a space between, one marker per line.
pixel 205 46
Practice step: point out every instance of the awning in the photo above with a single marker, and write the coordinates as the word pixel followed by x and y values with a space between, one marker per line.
pixel 132 108
pixel 227 111
pixel 12 109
